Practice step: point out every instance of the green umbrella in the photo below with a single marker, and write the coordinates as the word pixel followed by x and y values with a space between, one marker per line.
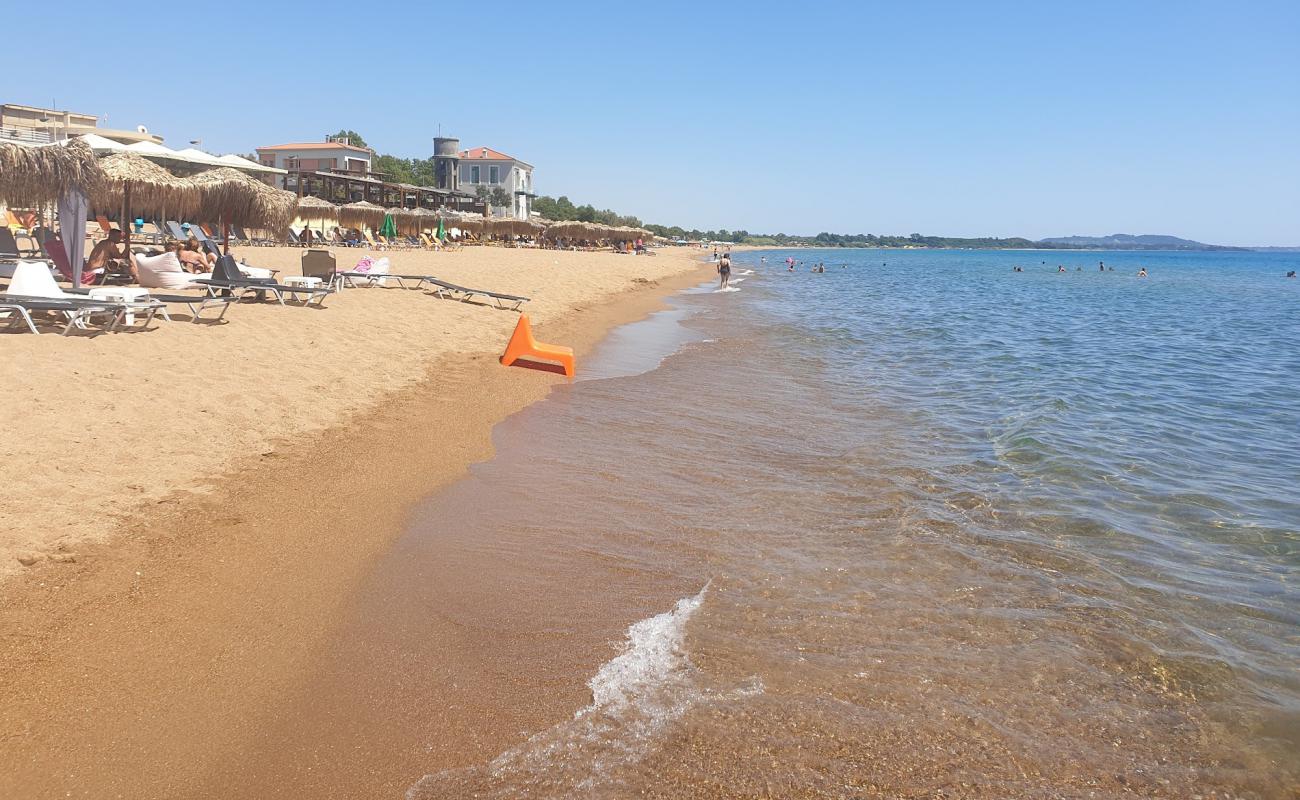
pixel 442 232
pixel 389 228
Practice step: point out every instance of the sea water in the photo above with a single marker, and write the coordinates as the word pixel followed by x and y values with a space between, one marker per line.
pixel 951 530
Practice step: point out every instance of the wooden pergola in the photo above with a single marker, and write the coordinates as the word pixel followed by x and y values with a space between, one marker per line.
pixel 342 188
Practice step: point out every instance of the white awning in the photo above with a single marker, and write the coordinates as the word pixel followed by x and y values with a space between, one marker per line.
pixel 248 166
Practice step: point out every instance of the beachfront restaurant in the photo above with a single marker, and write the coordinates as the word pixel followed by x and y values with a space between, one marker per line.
pixel 341 188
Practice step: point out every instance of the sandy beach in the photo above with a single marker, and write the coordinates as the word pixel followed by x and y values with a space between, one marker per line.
pixel 187 509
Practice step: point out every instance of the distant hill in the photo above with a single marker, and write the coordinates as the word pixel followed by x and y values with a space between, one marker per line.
pixel 1127 241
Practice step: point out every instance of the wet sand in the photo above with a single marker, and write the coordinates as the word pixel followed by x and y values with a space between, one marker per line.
pixel 164 660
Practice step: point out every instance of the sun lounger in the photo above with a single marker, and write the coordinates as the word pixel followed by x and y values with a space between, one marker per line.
pixel 198 233
pixel 196 303
pixel 79 312
pixel 173 229
pixel 320 264
pixel 441 288
pixel 56 253
pixel 8 244
pixel 239 237
pixel 34 279
pixel 226 277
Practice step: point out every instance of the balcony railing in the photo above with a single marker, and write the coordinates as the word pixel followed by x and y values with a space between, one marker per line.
pixel 26 135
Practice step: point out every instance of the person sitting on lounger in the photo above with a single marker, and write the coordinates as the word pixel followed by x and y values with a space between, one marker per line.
pixel 191 257
pixel 190 260
pixel 110 256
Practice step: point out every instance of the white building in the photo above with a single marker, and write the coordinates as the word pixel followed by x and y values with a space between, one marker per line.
pixel 483 166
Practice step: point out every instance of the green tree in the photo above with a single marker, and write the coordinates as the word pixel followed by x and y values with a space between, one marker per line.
pixel 397 170
pixel 352 137
pixel 500 197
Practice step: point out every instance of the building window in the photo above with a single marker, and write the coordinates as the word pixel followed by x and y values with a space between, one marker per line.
pixel 290 162
pixel 494 174
pixel 268 161
pixel 474 174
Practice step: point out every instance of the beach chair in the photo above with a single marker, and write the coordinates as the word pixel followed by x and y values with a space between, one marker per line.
pixel 365 234
pixel 152 277
pixel 293 239
pixel 33 279
pixel 78 312
pixel 198 233
pixel 173 229
pixel 8 244
pixel 320 264
pixel 58 254
pixel 104 225
pixel 227 278
pixel 443 289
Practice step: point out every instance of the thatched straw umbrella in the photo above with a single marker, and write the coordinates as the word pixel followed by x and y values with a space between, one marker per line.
pixel 424 216
pixel 142 186
pixel 355 215
pixel 402 217
pixel 314 208
pixel 32 176
pixel 231 197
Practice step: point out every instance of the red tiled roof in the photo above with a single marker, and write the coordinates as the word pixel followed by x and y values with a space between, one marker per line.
pixel 485 152
pixel 315 146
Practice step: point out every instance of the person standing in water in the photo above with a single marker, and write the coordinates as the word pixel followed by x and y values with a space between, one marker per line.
pixel 724 270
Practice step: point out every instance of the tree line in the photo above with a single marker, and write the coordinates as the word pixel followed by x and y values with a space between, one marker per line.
pixel 420 172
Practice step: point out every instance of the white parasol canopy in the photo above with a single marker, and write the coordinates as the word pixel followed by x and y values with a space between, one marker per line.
pixel 248 166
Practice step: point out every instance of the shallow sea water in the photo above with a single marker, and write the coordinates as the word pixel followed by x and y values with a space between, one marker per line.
pixel 952 530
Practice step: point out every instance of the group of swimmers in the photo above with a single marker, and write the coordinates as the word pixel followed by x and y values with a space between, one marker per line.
pixel 1101 267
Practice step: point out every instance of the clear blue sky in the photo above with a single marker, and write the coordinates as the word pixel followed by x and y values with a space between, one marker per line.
pixel 956 118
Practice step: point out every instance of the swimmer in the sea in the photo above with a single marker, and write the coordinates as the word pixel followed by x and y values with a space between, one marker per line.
pixel 1142 273
pixel 1060 268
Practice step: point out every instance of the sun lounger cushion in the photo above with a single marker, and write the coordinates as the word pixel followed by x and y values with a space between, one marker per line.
pixel 164 272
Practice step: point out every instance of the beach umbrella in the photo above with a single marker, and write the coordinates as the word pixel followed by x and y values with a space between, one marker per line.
pixel 360 213
pixel 230 197
pixel 442 230
pixel 32 176
pixel 314 208
pixel 389 228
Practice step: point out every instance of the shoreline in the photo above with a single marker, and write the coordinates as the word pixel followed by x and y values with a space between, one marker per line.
pixel 205 612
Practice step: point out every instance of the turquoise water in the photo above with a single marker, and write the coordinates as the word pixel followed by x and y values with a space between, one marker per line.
pixel 948 529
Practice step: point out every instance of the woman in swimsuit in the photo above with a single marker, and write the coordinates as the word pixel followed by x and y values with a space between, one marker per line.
pixel 724 270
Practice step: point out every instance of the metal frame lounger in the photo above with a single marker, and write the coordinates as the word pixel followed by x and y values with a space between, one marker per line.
pixel 510 302
pixel 197 304
pixel 227 277
pixel 78 312
pixel 441 288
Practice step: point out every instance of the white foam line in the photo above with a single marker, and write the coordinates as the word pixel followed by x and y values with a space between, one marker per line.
pixel 633 696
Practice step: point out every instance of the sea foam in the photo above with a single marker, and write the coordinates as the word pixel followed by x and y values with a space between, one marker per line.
pixel 633 697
